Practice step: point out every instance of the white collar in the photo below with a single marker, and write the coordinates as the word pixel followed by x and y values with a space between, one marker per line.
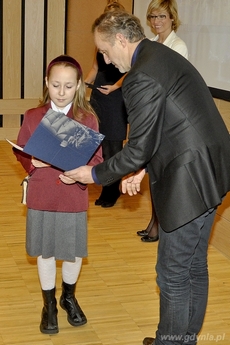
pixel 65 110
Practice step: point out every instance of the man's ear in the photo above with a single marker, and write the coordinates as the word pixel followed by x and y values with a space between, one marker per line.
pixel 121 38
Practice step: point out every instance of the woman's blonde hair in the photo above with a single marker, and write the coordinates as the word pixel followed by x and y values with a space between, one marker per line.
pixel 81 107
pixel 168 5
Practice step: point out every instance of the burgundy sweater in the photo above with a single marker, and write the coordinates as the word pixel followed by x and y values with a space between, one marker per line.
pixel 45 190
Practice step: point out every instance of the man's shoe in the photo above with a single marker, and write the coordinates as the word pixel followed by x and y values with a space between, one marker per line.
pixel 149 341
pixel 148 238
pixel 142 233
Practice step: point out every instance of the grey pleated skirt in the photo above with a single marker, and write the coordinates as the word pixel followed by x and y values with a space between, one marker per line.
pixel 59 234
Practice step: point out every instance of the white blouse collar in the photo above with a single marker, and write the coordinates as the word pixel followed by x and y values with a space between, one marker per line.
pixel 65 110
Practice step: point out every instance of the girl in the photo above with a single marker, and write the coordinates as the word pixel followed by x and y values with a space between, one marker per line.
pixel 56 226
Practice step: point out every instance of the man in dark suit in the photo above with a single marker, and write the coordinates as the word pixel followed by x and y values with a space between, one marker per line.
pixel 177 133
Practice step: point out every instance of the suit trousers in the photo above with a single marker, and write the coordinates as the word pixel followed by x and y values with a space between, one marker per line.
pixel 182 276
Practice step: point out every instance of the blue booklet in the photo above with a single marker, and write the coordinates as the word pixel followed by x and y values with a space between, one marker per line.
pixel 62 142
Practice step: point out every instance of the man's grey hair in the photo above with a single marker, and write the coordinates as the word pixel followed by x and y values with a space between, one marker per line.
pixel 111 23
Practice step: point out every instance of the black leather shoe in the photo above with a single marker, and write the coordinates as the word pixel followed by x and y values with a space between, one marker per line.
pixel 142 233
pixel 108 203
pixel 149 341
pixel 99 202
pixel 148 238
pixel 69 303
pixel 49 322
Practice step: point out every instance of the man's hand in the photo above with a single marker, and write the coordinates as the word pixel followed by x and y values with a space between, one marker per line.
pixel 132 184
pixel 82 174
pixel 66 179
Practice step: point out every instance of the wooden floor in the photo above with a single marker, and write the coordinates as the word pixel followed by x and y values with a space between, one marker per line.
pixel 116 289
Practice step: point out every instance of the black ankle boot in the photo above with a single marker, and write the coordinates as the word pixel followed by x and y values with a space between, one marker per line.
pixel 68 302
pixel 49 323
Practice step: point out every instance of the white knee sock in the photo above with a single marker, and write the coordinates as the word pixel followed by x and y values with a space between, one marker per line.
pixel 47 272
pixel 71 270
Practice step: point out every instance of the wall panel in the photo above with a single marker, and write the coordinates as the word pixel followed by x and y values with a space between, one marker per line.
pixel 11 48
pixel 33 61
pixel 33 32
pixel 56 28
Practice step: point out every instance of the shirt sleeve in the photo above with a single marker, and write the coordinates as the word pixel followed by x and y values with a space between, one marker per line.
pixel 94 176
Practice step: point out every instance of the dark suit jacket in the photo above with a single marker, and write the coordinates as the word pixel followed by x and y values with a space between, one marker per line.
pixel 177 131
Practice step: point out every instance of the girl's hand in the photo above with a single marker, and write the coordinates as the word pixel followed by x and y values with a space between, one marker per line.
pixel 39 164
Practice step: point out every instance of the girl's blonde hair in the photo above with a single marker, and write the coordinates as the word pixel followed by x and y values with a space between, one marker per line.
pixel 81 107
pixel 168 5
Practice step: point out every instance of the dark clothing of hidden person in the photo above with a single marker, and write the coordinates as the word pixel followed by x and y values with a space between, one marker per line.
pixel 112 122
pixel 108 103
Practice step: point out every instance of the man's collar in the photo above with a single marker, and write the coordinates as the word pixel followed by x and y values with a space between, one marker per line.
pixel 135 53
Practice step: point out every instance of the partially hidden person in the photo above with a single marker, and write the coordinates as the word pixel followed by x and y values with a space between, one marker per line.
pixel 109 105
